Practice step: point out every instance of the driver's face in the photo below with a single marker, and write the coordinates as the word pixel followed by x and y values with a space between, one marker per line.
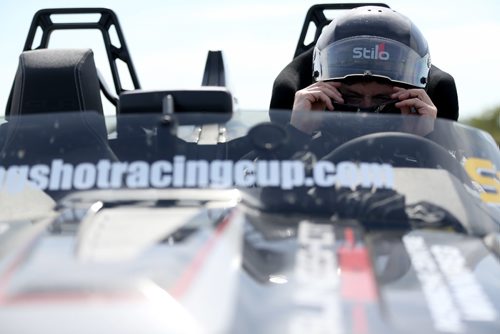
pixel 366 94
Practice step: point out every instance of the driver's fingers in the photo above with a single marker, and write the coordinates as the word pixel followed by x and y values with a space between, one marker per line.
pixel 404 94
pixel 318 96
pixel 330 89
pixel 420 106
pixel 314 99
pixel 324 99
pixel 415 99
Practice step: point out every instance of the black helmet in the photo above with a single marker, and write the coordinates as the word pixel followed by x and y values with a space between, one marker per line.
pixel 372 41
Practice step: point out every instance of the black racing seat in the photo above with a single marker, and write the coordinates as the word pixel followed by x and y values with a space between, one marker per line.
pixel 298 75
pixel 55 80
pixel 56 110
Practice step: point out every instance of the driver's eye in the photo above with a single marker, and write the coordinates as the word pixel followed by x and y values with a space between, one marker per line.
pixel 352 99
pixel 380 100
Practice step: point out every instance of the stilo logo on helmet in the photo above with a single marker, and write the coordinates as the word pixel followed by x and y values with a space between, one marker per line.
pixel 378 52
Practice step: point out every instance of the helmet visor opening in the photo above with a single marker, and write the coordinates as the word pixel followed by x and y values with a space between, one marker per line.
pixel 372 56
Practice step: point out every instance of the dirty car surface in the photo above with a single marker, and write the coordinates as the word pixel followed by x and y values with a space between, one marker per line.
pixel 181 213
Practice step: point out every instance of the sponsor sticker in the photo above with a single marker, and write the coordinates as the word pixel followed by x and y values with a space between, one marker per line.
pixel 452 291
pixel 484 174
pixel 185 173
pixel 318 283
pixel 374 53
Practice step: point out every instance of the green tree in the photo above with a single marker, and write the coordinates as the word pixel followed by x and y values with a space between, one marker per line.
pixel 489 121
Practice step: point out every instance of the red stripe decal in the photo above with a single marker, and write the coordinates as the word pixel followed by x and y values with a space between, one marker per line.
pixel 187 277
pixel 359 321
pixel 55 297
pixel 357 278
pixel 72 297
pixel 16 263
pixel 349 239
pixel 358 286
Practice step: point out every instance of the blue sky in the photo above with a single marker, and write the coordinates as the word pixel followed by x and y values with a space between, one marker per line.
pixel 169 41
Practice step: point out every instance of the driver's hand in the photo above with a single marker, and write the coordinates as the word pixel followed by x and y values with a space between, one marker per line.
pixel 316 97
pixel 421 126
pixel 414 99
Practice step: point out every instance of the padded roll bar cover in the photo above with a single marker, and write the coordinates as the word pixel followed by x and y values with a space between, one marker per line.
pixel 215 73
pixel 55 80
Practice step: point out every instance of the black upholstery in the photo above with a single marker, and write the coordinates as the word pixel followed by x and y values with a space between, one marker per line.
pixel 298 74
pixel 53 80
pixel 443 92
pixel 56 110
pixel 205 99
pixel 74 137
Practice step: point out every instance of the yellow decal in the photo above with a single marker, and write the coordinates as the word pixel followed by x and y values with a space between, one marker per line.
pixel 484 173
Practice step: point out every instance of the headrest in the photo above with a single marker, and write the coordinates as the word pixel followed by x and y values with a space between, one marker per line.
pixel 54 80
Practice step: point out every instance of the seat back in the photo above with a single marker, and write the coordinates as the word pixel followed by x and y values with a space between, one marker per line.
pixel 56 110
pixel 55 80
